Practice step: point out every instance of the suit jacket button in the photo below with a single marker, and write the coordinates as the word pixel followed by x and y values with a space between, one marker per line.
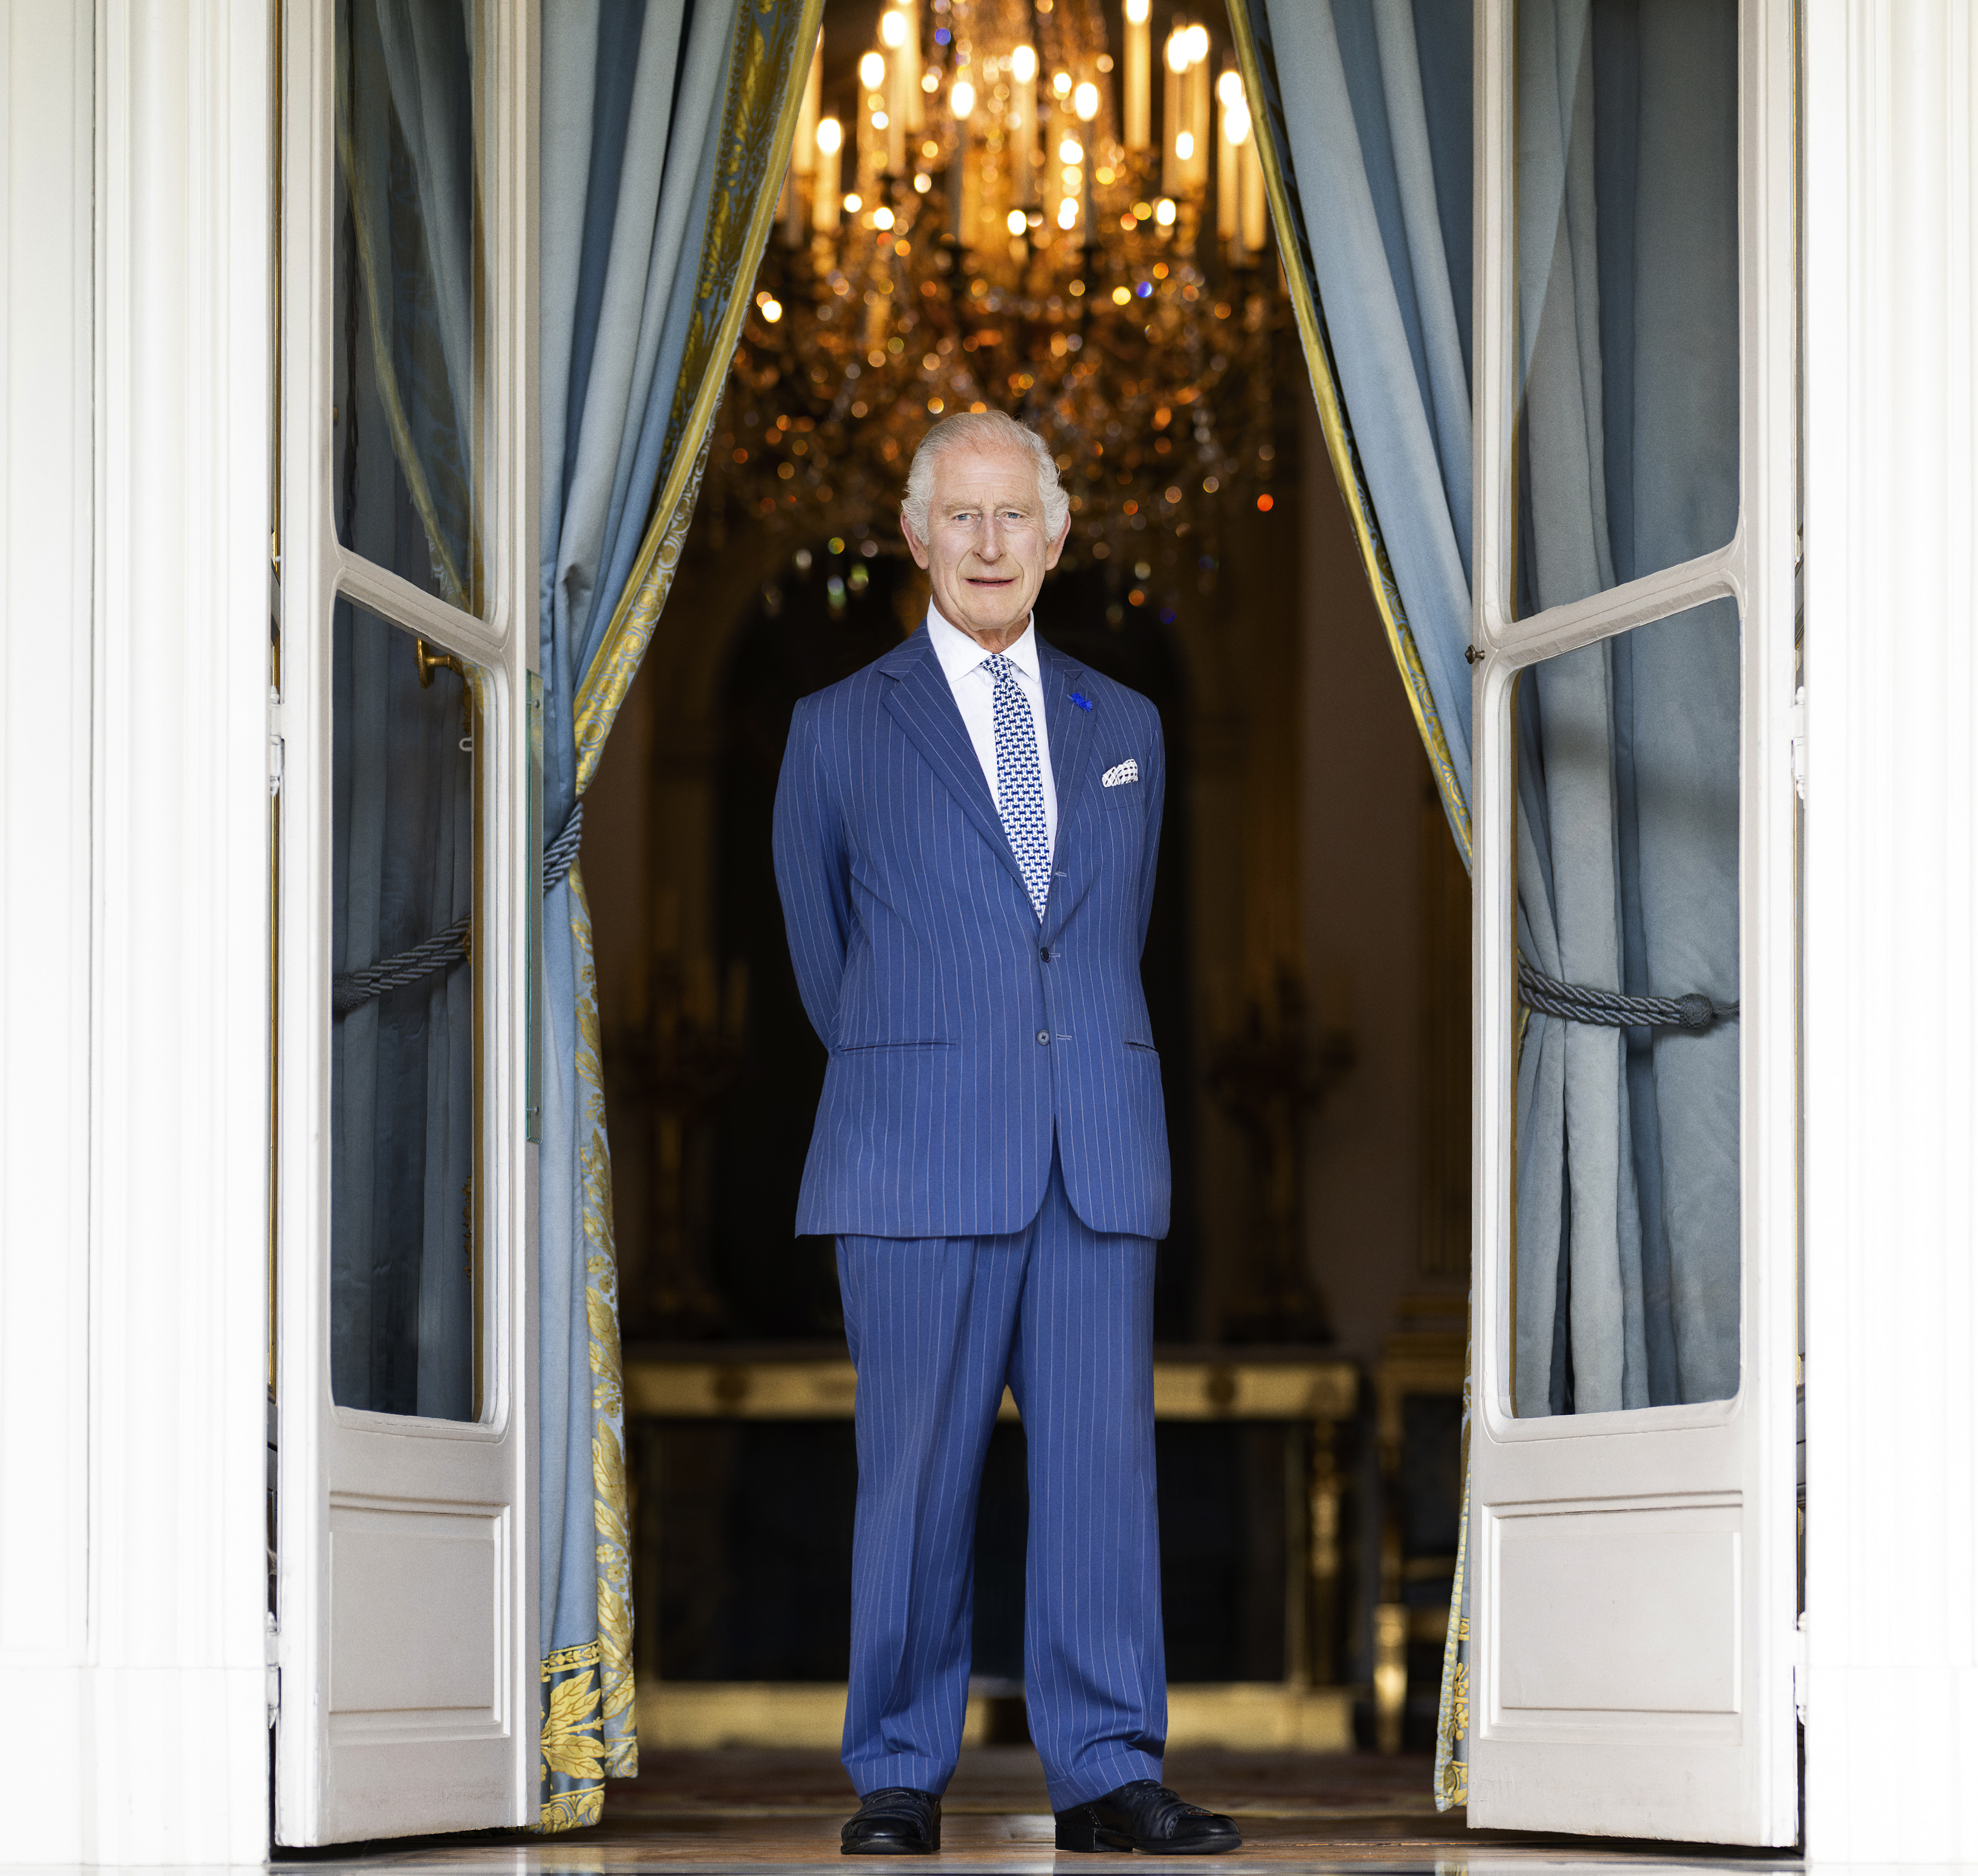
pixel 1043 952
pixel 1044 1035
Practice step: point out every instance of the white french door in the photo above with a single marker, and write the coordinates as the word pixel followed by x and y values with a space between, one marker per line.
pixel 1632 1531
pixel 404 1618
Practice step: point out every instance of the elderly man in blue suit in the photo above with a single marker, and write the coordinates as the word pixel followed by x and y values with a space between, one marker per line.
pixel 965 839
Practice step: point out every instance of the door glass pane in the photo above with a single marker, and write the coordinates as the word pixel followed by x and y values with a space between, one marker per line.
pixel 404 1273
pixel 408 332
pixel 1626 1262
pixel 1627 290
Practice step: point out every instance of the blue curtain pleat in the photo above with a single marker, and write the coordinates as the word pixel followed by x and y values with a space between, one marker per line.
pixel 646 446
pixel 633 97
pixel 602 175
pixel 1373 169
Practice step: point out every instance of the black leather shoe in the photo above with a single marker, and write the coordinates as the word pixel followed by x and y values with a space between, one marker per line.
pixel 896 1822
pixel 1146 1816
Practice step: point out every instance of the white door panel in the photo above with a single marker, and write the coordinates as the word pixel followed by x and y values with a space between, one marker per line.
pixel 1583 1597
pixel 1633 1600
pixel 417 1617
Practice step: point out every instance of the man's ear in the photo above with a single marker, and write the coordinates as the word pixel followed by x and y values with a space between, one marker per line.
pixel 915 546
pixel 1058 546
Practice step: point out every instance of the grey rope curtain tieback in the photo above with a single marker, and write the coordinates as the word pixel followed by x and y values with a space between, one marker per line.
pixel 439 953
pixel 560 855
pixel 1576 1003
pixel 355 989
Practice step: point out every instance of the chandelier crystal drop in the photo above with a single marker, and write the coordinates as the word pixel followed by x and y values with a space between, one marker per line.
pixel 1002 221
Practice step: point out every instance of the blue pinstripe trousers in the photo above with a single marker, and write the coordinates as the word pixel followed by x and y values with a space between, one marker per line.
pixel 937 1326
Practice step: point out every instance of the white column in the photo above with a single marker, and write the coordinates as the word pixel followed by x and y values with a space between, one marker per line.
pixel 45 555
pixel 1891 948
pixel 132 1307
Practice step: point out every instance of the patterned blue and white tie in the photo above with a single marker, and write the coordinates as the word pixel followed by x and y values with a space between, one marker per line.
pixel 1019 782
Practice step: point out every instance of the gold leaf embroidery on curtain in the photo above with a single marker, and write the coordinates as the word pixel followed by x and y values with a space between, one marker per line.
pixel 570 1741
pixel 573 1810
pixel 605 1744
pixel 1452 1718
pixel 571 1738
pixel 618 662
pixel 1345 453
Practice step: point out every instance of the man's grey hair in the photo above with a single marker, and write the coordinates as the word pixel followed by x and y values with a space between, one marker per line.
pixel 981 429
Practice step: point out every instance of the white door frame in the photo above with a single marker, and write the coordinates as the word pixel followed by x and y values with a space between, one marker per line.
pixel 1891 255
pixel 133 932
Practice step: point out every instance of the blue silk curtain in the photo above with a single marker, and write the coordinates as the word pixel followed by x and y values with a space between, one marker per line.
pixel 666 126
pixel 1627 776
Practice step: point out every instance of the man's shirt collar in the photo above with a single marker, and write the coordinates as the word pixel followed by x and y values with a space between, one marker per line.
pixel 959 654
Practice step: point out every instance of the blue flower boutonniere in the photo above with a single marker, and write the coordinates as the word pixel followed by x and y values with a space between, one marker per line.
pixel 1083 702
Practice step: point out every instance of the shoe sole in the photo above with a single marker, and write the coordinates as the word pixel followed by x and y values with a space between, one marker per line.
pixel 1092 1837
pixel 885 1847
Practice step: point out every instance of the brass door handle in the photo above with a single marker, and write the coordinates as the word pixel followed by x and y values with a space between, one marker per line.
pixel 430 661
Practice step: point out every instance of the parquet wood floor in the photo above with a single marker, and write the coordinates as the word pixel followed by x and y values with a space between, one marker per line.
pixel 774 1813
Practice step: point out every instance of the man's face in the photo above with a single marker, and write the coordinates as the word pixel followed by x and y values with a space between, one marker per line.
pixel 987 548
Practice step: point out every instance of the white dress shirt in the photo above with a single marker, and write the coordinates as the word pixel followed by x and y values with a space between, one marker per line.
pixel 966 664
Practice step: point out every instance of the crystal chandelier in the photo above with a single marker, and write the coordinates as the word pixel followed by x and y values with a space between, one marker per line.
pixel 1004 225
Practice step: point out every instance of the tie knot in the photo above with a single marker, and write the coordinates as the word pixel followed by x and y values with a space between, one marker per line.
pixel 1000 666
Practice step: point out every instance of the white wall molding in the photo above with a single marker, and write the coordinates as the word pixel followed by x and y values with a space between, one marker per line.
pixel 1891 949
pixel 132 1272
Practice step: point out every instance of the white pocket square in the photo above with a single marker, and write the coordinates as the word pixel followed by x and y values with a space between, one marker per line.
pixel 1129 771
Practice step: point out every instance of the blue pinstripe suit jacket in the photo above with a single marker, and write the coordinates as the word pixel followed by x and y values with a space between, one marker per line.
pixel 927 976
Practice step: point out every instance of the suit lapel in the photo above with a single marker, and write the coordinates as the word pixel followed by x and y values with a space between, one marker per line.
pixel 922 704
pixel 1069 728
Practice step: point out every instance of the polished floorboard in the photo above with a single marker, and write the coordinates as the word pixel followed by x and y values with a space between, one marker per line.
pixel 737 1813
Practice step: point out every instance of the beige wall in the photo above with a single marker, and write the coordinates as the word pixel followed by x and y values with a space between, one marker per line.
pixel 1364 789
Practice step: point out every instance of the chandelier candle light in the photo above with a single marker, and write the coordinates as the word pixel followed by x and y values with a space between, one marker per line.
pixel 1013 238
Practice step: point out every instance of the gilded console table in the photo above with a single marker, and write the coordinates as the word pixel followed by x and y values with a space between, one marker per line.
pixel 1306 1710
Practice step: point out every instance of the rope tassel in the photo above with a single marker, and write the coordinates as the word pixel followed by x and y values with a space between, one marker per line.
pixel 1576 1003
pixel 355 989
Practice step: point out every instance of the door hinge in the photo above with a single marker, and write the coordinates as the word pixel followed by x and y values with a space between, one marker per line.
pixel 275 749
pixel 1798 718
pixel 272 1656
pixel 1800 1668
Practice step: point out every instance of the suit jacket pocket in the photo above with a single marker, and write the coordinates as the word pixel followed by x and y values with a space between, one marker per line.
pixel 867 1048
pixel 1124 795
pixel 1145 1048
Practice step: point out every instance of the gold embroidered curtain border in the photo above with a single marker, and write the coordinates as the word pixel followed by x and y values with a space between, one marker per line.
pixel 765 83
pixel 589 1728
pixel 1452 1717
pixel 1338 430
pixel 590 1698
